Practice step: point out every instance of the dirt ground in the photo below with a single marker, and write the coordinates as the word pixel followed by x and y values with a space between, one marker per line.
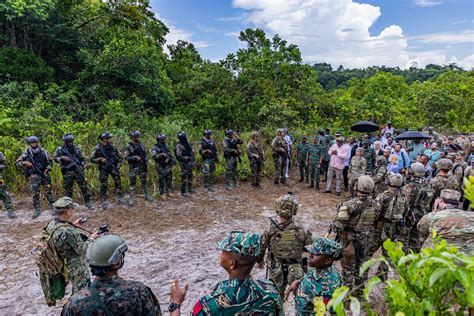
pixel 166 239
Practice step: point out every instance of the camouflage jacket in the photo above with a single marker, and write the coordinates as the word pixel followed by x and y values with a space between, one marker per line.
pixel 379 174
pixel 121 297
pixel 74 153
pixel 3 163
pixel 318 283
pixel 458 171
pixel 42 160
pixel 131 151
pixel 454 225
pixel 302 151
pixel 279 147
pixel 110 152
pixel 315 152
pixel 370 156
pixel 69 244
pixel 207 145
pixel 393 205
pixel 284 241
pixel 419 197
pixel 255 151
pixel 358 166
pixel 241 297
pixel 357 215
pixel 440 182
pixel 230 146
pixel 162 154
pixel 184 153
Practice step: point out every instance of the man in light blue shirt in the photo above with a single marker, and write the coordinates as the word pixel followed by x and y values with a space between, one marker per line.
pixel 433 154
pixel 403 159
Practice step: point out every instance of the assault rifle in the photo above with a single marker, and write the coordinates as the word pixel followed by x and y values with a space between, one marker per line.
pixel 34 164
pixel 109 161
pixel 74 161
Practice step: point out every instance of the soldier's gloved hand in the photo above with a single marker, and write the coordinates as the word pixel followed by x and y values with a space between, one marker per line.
pixel 177 293
pixel 27 164
pixel 102 160
pixel 138 158
pixel 65 158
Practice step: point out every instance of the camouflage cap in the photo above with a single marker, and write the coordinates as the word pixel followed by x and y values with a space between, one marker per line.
pixel 448 194
pixel 63 204
pixel 241 243
pixel 325 246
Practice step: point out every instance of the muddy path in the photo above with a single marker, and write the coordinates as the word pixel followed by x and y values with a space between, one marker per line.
pixel 166 239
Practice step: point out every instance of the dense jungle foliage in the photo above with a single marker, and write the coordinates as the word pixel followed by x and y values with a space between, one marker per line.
pixel 85 66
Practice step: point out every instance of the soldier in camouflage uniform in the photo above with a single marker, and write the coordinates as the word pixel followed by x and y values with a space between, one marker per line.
pixel 459 166
pixel 135 154
pixel 164 165
pixel 37 163
pixel 357 168
pixel 468 172
pixel 71 160
pixel 326 144
pixel 232 153
pixel 451 223
pixel 419 197
pixel 389 223
pixel 379 175
pixel 4 195
pixel 69 244
pixel 109 294
pixel 443 179
pixel 280 155
pixel 256 158
pixel 185 155
pixel 108 159
pixel 241 294
pixel 208 152
pixel 285 240
pixel 321 282
pixel 354 225
pixel 314 159
pixel 301 155
pixel 370 155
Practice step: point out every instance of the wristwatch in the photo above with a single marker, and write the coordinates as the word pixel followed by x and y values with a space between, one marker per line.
pixel 173 306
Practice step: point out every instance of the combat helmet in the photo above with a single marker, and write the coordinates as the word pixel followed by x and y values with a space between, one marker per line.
pixel 160 137
pixel 444 164
pixel 395 179
pixel 365 184
pixel 68 138
pixel 418 170
pixel 381 161
pixel 207 132
pixel 135 134
pixel 254 134
pixel 32 139
pixel 286 205
pixel 182 136
pixel 106 251
pixel 105 135
pixel 229 132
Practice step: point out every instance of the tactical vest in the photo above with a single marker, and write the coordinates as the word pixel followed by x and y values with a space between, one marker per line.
pixel 162 148
pixel 72 154
pixel 285 243
pixel 422 197
pixel 396 209
pixel 40 160
pixel 137 150
pixel 208 144
pixel 362 215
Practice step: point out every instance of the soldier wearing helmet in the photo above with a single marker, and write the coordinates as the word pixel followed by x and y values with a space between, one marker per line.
pixel 283 242
pixel 444 179
pixel 357 168
pixel 379 175
pixel 109 294
pixel 232 153
pixel 185 155
pixel 280 156
pixel 450 222
pixel 71 160
pixel 390 222
pixel 208 152
pixel 354 224
pixel 108 159
pixel 419 197
pixel 164 165
pixel 136 155
pixel 37 164
pixel 4 195
pixel 256 158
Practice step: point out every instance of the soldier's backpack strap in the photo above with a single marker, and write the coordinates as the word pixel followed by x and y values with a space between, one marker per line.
pixel 95 296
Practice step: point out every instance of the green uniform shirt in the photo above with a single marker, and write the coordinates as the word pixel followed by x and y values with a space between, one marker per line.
pixel 243 297
pixel 314 153
pixel 302 151
pixel 319 283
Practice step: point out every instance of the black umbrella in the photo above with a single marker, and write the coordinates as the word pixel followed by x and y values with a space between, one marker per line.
pixel 412 135
pixel 365 127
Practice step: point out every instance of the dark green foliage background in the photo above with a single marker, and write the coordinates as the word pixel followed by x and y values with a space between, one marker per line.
pixel 85 66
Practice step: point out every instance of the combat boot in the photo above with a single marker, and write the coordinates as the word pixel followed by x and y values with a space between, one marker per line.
pixel 317 186
pixel 228 186
pixel 122 200
pixel 211 189
pixel 191 190
pixel 37 213
pixel 171 195
pixel 185 194
pixel 301 179
pixel 311 185
pixel 89 206
pixel 10 213
pixel 104 205
pixel 236 184
pixel 147 197
pixel 131 199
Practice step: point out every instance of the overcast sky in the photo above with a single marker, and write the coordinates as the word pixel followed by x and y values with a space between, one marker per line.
pixel 340 32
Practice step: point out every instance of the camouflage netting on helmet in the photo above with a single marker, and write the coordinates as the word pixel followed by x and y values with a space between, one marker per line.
pixel 286 205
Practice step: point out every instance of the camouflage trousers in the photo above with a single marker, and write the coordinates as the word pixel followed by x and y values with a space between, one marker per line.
pixel 231 173
pixel 78 275
pixel 165 178
pixel 186 175
pixel 280 168
pixel 37 182
pixel 208 169
pixel 410 235
pixel 104 176
pixel 68 183
pixel 5 198
pixel 135 172
pixel 255 171
pixel 304 168
pixel 314 172
pixel 380 234
pixel 354 252
pixel 284 274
